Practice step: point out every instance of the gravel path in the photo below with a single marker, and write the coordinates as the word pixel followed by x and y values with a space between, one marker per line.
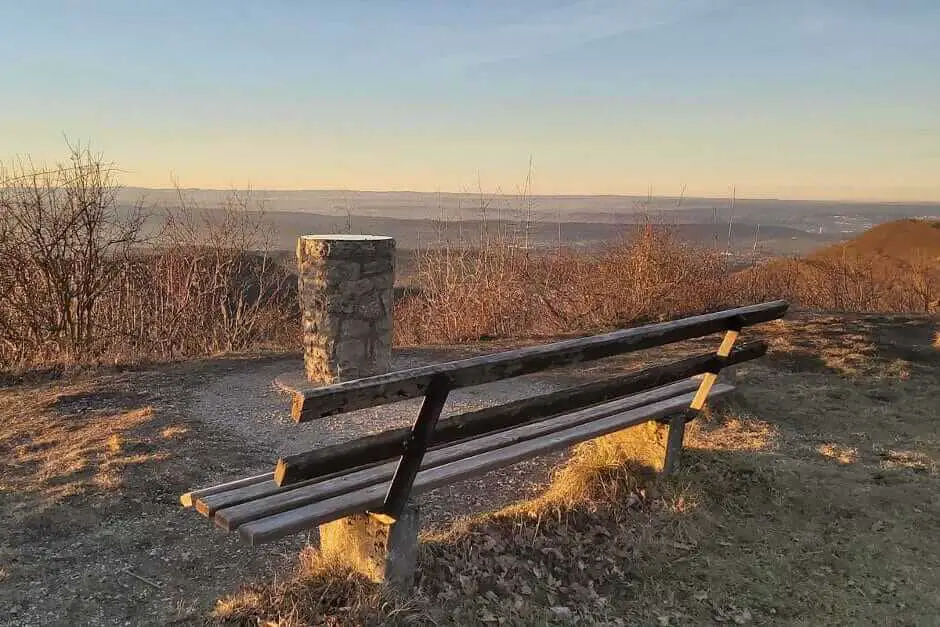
pixel 246 402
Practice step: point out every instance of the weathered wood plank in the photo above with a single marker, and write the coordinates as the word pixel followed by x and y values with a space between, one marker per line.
pixel 347 396
pixel 230 518
pixel 727 343
pixel 190 498
pixel 207 505
pixel 389 444
pixel 294 520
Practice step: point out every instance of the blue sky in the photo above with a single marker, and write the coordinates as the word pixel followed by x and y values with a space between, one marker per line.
pixel 799 99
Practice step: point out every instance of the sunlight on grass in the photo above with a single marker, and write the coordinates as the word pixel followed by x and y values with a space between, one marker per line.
pixel 65 440
pixel 733 432
pixel 319 591
pixel 911 460
pixel 841 454
pixel 114 443
pixel 609 469
pixel 174 431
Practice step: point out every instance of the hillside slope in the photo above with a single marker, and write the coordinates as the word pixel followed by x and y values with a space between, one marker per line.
pixel 901 239
pixel 892 267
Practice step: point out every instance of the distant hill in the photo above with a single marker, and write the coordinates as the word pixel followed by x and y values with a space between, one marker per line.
pixel 901 239
pixel 834 220
pixel 422 233
pixel 894 266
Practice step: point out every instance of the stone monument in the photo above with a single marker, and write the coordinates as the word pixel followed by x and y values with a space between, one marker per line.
pixel 345 290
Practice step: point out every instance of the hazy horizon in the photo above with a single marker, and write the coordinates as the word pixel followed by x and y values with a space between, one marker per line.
pixel 128 192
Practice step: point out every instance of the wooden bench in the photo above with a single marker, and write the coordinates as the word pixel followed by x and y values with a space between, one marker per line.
pixel 366 484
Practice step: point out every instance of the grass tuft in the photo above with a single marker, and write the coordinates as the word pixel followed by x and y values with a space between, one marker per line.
pixel 321 592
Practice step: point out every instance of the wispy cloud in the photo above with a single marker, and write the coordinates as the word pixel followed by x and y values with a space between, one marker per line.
pixel 570 26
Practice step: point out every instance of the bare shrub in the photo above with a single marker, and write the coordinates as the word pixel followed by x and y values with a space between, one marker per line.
pixel 867 283
pixel 81 283
pixel 63 244
pixel 208 284
pixel 505 289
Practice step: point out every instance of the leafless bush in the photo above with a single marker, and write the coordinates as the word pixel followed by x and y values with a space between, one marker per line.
pixel 872 282
pixel 81 283
pixel 504 289
pixel 208 284
pixel 63 244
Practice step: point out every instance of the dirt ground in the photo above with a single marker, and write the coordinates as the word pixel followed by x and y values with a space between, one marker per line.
pixel 831 515
pixel 93 466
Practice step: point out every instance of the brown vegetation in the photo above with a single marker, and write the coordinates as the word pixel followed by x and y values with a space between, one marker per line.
pixel 816 510
pixel 893 267
pixel 55 445
pixel 504 290
pixel 82 283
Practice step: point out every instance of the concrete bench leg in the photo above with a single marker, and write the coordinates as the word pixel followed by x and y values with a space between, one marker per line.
pixel 385 553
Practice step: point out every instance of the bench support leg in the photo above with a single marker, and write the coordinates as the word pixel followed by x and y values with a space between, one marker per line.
pixel 677 423
pixel 384 553
pixel 399 490
pixel 674 444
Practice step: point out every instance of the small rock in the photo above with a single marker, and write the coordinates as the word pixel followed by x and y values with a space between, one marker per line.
pixel 742 617
pixel 561 611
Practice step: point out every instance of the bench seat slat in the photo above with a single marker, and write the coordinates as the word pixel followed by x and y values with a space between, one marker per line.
pixel 190 498
pixel 244 510
pixel 295 520
pixel 210 504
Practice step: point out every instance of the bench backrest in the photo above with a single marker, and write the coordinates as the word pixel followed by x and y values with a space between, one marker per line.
pixel 318 402
pixel 435 382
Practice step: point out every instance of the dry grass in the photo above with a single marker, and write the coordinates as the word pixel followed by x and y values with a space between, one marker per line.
pixel 503 290
pixel 55 446
pixel 612 469
pixel 841 454
pixel 809 499
pixel 319 592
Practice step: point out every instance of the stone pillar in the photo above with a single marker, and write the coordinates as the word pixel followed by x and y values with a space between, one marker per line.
pixel 346 286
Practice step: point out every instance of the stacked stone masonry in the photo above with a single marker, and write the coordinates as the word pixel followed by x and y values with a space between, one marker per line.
pixel 346 287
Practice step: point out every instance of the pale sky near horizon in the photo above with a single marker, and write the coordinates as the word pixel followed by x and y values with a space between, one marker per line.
pixel 827 99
